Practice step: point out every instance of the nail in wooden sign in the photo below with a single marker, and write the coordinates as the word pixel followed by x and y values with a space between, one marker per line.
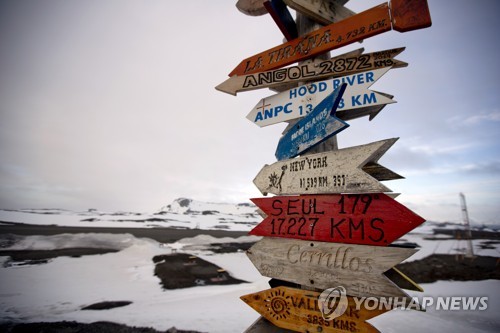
pixel 298 310
pixel 367 219
pixel 339 171
pixel 299 101
pixel 316 127
pixel 341 65
pixel 322 11
pixel 358 268
pixel 366 24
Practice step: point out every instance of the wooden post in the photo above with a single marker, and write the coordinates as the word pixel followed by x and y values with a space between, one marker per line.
pixel 304 26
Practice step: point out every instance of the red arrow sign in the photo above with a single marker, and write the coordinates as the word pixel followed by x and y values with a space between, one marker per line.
pixel 367 219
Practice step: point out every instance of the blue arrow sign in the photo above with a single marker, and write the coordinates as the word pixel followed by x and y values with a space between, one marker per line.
pixel 316 127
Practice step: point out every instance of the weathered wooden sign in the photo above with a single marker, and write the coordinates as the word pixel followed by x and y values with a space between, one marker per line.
pixel 314 128
pixel 322 11
pixel 251 7
pixel 282 17
pixel 299 310
pixel 393 274
pixel 368 219
pixel 358 268
pixel 370 111
pixel 345 115
pixel 345 64
pixel 299 101
pixel 402 280
pixel 366 24
pixel 339 171
pixel 409 15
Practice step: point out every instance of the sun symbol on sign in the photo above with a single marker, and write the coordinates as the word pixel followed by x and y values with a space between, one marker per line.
pixel 277 304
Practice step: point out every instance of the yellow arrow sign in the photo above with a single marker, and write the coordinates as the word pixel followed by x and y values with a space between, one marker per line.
pixel 299 310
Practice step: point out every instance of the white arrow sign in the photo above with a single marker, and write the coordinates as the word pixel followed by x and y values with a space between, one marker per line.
pixel 348 170
pixel 298 102
pixel 358 268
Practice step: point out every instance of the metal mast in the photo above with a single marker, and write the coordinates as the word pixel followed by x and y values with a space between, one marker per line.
pixel 465 217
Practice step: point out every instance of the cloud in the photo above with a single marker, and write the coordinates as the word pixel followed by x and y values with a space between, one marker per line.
pixel 475 119
pixel 481 168
pixel 439 150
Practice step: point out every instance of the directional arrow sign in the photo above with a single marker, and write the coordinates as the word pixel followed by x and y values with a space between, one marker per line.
pixel 358 268
pixel 393 274
pixel 314 128
pixel 345 64
pixel 410 15
pixel 368 219
pixel 298 102
pixel 401 280
pixel 369 23
pixel 339 171
pixel 345 115
pixel 251 7
pixel 370 111
pixel 299 310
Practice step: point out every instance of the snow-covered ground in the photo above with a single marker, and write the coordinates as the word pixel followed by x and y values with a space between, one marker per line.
pixel 58 290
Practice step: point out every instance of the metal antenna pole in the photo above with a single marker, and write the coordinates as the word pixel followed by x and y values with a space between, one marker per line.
pixel 465 217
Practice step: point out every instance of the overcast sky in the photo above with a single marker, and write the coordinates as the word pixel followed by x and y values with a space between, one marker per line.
pixel 110 104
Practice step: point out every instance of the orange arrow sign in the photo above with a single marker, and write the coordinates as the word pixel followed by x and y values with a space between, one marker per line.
pixel 369 23
pixel 299 310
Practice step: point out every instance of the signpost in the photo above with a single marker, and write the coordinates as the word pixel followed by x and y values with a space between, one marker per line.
pixel 316 127
pixel 337 239
pixel 339 171
pixel 368 219
pixel 358 268
pixel 366 24
pixel 298 102
pixel 298 310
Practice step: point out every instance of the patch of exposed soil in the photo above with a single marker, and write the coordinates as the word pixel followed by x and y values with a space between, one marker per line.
pixel 32 257
pixel 74 327
pixel 180 270
pixel 451 267
pixel 106 305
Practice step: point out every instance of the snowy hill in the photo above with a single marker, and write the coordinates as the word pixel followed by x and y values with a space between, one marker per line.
pixel 189 206
pixel 181 213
